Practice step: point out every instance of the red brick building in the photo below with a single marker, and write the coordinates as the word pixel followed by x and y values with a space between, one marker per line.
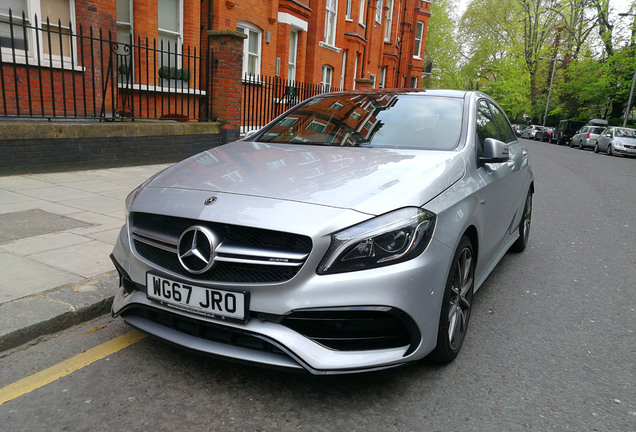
pixel 54 68
pixel 329 42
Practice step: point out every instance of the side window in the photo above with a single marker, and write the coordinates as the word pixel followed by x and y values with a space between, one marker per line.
pixel 485 125
pixel 505 131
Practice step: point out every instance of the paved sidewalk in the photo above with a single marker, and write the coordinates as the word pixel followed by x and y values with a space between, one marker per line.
pixel 56 234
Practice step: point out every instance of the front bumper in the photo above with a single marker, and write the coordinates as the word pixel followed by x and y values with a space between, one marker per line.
pixel 408 295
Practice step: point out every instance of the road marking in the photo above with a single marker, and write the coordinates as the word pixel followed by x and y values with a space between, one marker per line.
pixel 40 379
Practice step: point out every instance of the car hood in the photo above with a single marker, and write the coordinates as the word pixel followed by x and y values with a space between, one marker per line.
pixel 368 180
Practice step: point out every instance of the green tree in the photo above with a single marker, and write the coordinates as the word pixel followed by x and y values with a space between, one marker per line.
pixel 442 48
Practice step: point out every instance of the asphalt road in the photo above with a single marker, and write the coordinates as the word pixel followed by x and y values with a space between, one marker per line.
pixel 551 345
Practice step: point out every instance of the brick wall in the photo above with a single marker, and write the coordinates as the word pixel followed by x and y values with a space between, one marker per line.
pixel 49 147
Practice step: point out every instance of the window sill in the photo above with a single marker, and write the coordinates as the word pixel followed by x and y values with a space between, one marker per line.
pixel 160 89
pixel 43 62
pixel 329 47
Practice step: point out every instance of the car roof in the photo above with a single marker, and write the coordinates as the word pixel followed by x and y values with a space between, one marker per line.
pixel 423 92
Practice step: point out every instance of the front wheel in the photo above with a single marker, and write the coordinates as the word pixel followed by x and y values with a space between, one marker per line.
pixel 524 226
pixel 456 305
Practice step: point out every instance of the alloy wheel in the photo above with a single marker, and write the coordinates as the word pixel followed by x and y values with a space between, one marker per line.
pixel 460 298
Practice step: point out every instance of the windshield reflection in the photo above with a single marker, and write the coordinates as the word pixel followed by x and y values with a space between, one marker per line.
pixel 372 120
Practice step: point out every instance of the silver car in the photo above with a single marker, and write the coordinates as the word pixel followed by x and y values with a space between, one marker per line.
pixel 348 235
pixel 586 137
pixel 617 140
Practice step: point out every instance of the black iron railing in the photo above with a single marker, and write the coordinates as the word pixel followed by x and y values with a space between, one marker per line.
pixel 49 71
pixel 265 98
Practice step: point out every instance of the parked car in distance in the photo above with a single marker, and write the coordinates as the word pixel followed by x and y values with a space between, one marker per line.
pixel 518 129
pixel 530 131
pixel 617 141
pixel 586 137
pixel 342 237
pixel 565 131
pixel 544 134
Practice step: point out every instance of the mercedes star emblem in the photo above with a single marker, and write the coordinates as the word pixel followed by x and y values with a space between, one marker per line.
pixel 196 249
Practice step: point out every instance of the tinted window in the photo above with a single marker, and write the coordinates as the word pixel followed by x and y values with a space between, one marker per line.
pixel 505 131
pixel 485 124
pixel 381 120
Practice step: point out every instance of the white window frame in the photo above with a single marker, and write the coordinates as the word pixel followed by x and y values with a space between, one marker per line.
pixel 246 27
pixel 343 71
pixel 389 21
pixel 413 82
pixel 331 20
pixel 125 25
pixel 378 11
pixel 293 54
pixel 124 38
pixel 419 36
pixel 172 34
pixel 22 56
pixel 363 11
pixel 355 70
pixel 348 8
pixel 383 71
pixel 326 78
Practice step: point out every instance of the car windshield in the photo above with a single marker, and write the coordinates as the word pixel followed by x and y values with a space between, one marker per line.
pixel 371 120
pixel 626 133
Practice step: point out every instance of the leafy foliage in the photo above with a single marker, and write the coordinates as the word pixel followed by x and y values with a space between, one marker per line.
pixel 508 48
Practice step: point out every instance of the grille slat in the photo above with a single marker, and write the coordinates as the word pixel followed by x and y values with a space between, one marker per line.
pixel 252 255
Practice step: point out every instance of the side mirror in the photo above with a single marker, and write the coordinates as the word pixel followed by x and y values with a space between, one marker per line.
pixel 251 133
pixel 495 151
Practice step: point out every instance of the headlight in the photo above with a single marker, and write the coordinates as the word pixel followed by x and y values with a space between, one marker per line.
pixel 388 239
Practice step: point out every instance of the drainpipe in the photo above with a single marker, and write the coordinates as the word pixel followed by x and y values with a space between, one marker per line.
pixel 366 41
pixel 397 77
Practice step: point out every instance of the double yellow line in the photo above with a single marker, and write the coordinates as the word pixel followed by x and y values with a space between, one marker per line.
pixel 40 379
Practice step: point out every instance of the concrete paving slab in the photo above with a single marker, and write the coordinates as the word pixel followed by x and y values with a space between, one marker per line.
pixel 18 183
pixel 95 186
pixel 8 197
pixel 57 194
pixel 51 242
pixel 109 236
pixel 87 259
pixel 23 276
pixel 33 203
pixel 94 203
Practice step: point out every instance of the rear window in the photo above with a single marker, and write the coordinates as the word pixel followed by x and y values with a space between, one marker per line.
pixel 383 120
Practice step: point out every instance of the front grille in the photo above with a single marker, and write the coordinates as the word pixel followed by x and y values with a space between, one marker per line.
pixel 203 330
pixel 244 254
pixel 355 330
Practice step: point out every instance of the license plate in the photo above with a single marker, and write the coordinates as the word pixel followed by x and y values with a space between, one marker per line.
pixel 214 303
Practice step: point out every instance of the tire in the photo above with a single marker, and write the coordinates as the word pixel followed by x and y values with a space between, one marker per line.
pixel 456 304
pixel 524 226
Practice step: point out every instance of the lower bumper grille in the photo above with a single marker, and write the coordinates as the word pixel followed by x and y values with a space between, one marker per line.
pixel 362 329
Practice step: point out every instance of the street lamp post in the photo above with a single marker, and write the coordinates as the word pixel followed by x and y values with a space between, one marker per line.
pixel 631 92
pixel 553 60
